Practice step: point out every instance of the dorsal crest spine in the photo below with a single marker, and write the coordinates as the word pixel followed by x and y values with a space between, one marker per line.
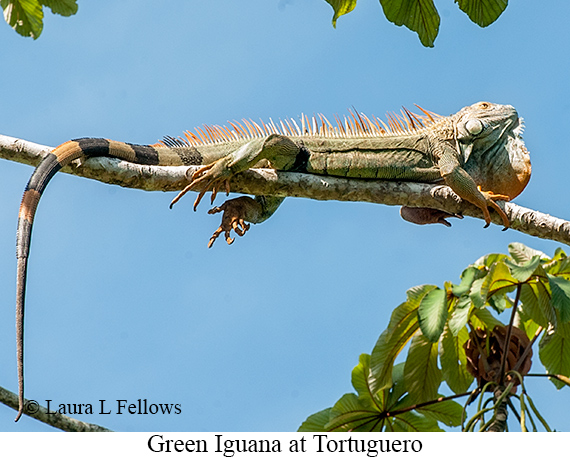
pixel 354 125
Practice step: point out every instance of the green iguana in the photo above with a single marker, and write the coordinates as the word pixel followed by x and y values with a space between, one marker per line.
pixel 478 152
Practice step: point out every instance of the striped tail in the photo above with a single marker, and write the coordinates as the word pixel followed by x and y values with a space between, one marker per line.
pixel 57 159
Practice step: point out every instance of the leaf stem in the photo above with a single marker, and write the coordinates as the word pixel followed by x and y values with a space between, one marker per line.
pixel 508 339
pixel 427 403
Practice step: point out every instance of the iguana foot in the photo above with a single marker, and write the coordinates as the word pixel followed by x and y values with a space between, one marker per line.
pixel 423 216
pixel 235 211
pixel 212 176
pixel 490 199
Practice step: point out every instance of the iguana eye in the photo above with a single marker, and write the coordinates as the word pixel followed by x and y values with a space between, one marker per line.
pixel 484 105
pixel 474 126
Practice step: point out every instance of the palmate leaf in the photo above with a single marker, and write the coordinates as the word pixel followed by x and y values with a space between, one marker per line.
pixel 554 352
pixel 521 253
pixel 469 275
pixel 403 324
pixel 316 422
pixel 482 12
pixel 459 315
pixel 490 259
pixel 475 294
pixel 529 326
pixel 61 7
pixel 483 318
pixel 498 281
pixel 560 289
pixel 559 267
pixel 364 383
pixel 341 7
pixel 421 373
pixel 535 303
pixel 447 412
pixel 432 314
pixel 349 414
pixel 24 16
pixel 453 360
pixel 411 421
pixel 522 271
pixel 420 16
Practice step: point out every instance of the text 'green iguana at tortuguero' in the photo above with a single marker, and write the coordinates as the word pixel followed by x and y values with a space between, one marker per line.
pixel 478 152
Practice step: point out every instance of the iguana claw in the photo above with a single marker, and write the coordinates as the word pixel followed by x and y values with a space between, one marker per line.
pixel 232 219
pixel 490 198
pixel 212 179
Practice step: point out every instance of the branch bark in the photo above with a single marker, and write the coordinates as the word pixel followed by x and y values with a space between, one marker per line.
pixel 288 184
pixel 33 409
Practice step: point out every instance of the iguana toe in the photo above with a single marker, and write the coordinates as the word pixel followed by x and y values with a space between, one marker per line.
pixel 491 199
pixel 211 176
pixel 233 219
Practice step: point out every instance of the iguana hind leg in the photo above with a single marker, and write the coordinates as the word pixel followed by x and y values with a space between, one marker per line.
pixel 424 216
pixel 238 211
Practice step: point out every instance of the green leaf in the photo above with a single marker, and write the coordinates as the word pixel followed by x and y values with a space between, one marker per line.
pixel 476 294
pixel 421 373
pixel 523 272
pixel 453 360
pixel 341 7
pixel 521 253
pixel 499 302
pixel 469 275
pixel 61 7
pixel 559 267
pixel 482 12
pixel 554 352
pixel 398 389
pixel 535 303
pixel 483 318
pixel 432 314
pixel 420 16
pixel 559 254
pixel 348 414
pixel 316 422
pixel 403 324
pixel 560 289
pixel 499 279
pixel 411 421
pixel 447 412
pixel 24 16
pixel 459 315
pixel 490 259
pixel 529 326
pixel 364 383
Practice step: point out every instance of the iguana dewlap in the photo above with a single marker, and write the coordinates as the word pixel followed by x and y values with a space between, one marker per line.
pixel 478 152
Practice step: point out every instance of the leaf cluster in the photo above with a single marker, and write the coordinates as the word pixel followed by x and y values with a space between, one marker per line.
pixel 435 323
pixel 26 16
pixel 421 16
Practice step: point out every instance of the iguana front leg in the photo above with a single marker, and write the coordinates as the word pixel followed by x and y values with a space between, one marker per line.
pixel 464 186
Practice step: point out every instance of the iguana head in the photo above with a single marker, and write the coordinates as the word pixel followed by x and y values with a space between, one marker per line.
pixel 490 139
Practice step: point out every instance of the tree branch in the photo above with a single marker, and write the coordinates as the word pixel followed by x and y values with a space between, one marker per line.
pixel 288 184
pixel 33 409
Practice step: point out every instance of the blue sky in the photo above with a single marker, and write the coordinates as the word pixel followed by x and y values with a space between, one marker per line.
pixel 124 299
